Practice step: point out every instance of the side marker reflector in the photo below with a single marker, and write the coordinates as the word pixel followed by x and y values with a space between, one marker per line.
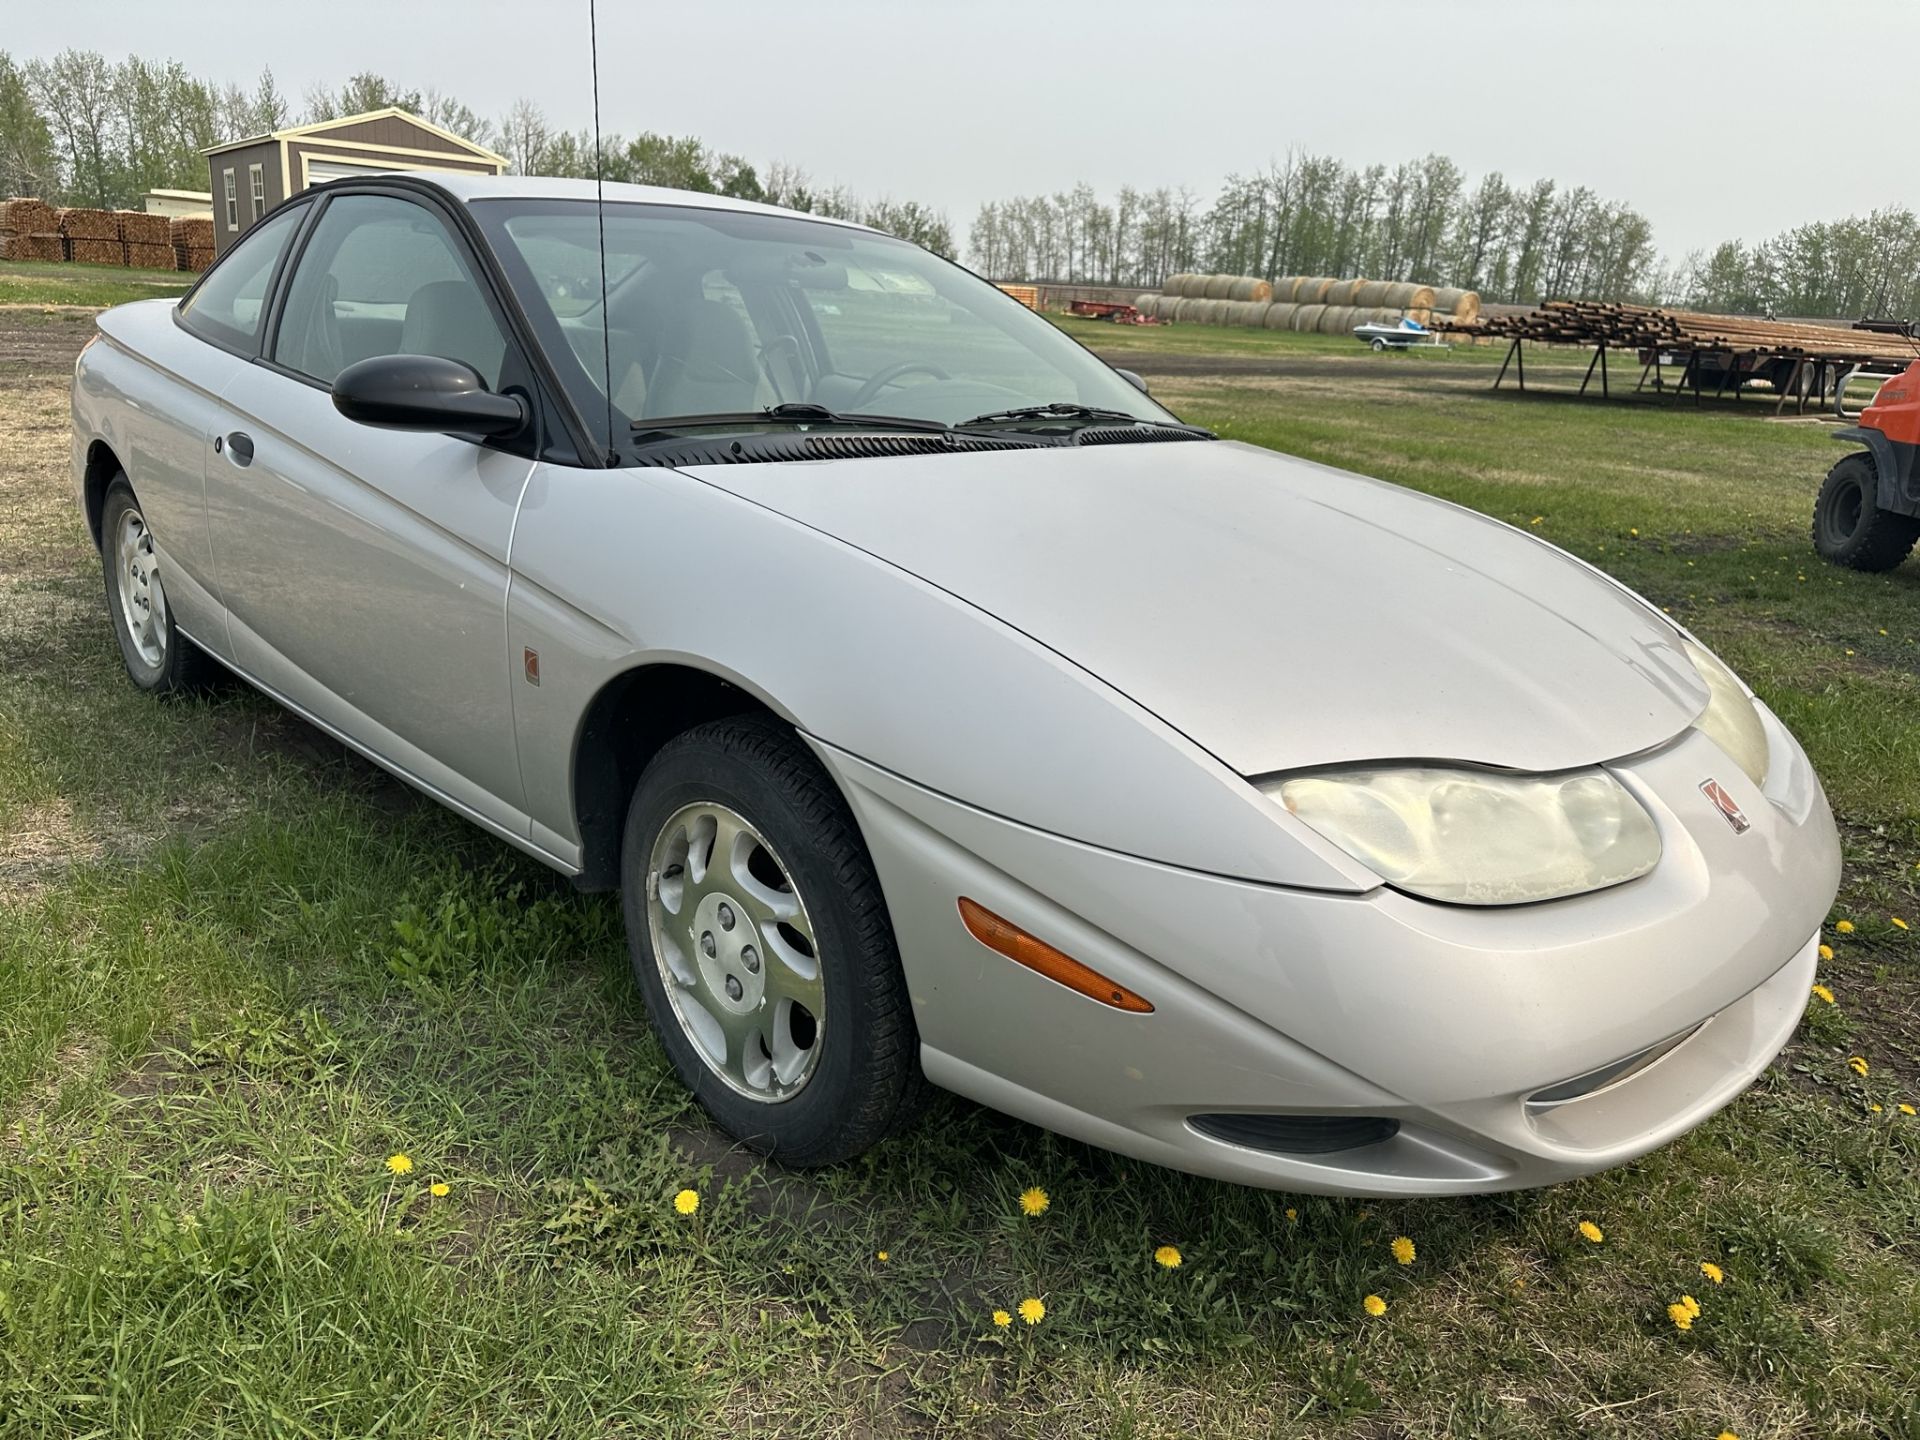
pixel 1008 939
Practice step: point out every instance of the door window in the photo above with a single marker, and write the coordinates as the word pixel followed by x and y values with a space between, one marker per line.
pixel 384 276
pixel 228 306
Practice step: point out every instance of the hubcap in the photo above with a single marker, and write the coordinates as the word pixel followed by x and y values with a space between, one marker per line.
pixel 143 603
pixel 736 951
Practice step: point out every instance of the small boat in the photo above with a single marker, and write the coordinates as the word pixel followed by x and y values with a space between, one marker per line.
pixel 1407 335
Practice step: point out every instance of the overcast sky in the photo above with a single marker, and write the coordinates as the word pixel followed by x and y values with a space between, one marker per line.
pixel 1716 121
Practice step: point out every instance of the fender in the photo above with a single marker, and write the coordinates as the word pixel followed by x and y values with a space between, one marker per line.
pixel 1890 429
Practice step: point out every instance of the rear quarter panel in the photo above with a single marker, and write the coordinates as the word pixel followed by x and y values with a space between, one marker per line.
pixel 148 391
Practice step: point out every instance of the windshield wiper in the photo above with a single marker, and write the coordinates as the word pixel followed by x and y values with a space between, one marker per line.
pixel 1065 409
pixel 793 412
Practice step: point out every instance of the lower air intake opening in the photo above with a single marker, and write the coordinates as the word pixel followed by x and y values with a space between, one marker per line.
pixel 1297 1134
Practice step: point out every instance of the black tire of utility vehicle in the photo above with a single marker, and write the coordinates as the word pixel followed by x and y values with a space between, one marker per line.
pixel 183 667
pixel 1850 528
pixel 866 1083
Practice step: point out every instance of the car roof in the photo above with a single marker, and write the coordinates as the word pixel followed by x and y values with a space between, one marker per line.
pixel 467 187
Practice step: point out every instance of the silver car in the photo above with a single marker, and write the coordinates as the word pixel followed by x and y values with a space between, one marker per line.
pixel 945 710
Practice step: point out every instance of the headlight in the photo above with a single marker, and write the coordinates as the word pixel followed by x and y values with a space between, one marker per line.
pixel 1479 837
pixel 1730 722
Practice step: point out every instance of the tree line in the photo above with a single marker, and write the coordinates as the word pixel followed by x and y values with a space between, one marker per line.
pixel 1317 215
pixel 79 129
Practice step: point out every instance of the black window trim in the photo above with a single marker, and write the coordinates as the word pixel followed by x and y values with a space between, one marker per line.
pixel 269 301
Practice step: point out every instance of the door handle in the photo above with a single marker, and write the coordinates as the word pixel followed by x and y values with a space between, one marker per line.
pixel 239 447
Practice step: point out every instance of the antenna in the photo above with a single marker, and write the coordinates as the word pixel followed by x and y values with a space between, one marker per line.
pixel 600 217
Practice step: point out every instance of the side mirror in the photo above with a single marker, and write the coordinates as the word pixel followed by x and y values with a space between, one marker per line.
pixel 1134 380
pixel 425 392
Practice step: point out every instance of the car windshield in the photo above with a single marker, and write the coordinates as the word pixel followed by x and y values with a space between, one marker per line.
pixel 713 312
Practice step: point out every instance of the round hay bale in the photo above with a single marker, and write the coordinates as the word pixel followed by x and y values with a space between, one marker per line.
pixel 1372 294
pixel 1279 315
pixel 1250 313
pixel 1311 290
pixel 1463 305
pixel 1419 315
pixel 1336 320
pixel 1378 315
pixel 1176 285
pixel 1181 309
pixel 1219 287
pixel 1247 289
pixel 1421 299
pixel 1145 303
pixel 1344 292
pixel 1307 317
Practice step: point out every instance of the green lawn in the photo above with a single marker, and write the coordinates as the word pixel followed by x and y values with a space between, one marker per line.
pixel 239 970
pixel 51 282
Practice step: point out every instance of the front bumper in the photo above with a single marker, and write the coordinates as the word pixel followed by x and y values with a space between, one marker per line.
pixel 1446 1019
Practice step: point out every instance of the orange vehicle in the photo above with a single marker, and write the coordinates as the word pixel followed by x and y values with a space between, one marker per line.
pixel 1868 513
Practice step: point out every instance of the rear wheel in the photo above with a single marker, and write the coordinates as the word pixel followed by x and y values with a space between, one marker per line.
pixel 1850 528
pixel 762 945
pixel 159 659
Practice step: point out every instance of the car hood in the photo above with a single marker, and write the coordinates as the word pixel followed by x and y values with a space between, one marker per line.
pixel 1278 613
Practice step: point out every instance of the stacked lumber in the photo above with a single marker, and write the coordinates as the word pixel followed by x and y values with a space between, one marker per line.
pixel 1646 327
pixel 77 222
pixel 192 239
pixel 139 228
pixel 139 256
pixel 30 230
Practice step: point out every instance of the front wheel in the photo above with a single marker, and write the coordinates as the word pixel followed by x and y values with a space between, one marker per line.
pixel 762 945
pixel 1850 528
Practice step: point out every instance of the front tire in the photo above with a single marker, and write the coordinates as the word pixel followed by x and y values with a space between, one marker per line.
pixel 762 945
pixel 159 659
pixel 1850 528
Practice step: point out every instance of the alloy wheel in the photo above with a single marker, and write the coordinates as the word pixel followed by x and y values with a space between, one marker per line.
pixel 736 951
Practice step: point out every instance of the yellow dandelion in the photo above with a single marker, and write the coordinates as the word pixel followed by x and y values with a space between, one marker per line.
pixel 1536 519
pixel 1293 1215
pixel 882 1256
pixel 1002 1319
pixel 1167 1257
pixel 1592 1231
pixel 439 1189
pixel 1633 530
pixel 1713 1272
pixel 1692 1305
pixel 1906 1109
pixel 1845 927
pixel 1821 992
pixel 1826 952
pixel 687 1201
pixel 1873 1108
pixel 1728 1434
pixel 1034 1201
pixel 399 1164
pixel 1032 1310
pixel 1680 1315
pixel 1374 1306
pixel 1402 1248
pixel 1858 1064
pixel 1898 923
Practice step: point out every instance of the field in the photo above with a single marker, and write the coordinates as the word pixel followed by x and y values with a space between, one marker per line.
pixel 243 973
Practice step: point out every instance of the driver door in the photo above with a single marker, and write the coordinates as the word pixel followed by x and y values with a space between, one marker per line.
pixel 365 570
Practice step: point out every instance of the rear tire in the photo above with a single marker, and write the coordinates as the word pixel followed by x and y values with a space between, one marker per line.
pixel 732 988
pixel 159 659
pixel 1850 528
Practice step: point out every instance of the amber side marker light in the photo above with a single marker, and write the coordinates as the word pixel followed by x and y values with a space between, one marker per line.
pixel 1008 939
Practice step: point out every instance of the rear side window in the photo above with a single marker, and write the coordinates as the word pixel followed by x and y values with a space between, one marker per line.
pixel 229 306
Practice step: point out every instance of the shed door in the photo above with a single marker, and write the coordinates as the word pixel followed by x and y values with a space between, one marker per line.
pixel 322 170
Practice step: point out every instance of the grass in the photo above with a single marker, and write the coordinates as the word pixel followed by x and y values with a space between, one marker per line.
pixel 242 969
pixel 53 282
